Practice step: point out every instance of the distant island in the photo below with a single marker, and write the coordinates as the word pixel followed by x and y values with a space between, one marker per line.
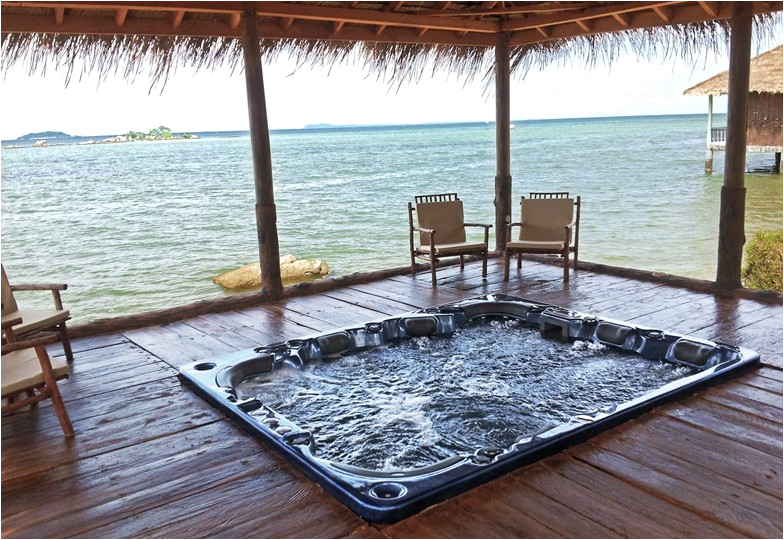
pixel 44 135
pixel 162 133
pixel 331 126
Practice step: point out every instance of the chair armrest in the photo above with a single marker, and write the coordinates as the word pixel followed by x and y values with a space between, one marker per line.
pixel 486 226
pixel 54 287
pixel 46 338
pixel 426 231
pixel 11 322
pixel 39 287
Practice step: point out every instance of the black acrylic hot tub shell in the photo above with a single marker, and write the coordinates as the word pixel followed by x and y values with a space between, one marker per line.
pixel 386 497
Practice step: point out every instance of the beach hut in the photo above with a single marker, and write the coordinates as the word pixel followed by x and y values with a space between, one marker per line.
pixel 397 39
pixel 764 131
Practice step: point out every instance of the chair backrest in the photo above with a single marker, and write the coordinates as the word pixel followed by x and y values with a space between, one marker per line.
pixel 549 195
pixel 544 219
pixel 9 302
pixel 444 213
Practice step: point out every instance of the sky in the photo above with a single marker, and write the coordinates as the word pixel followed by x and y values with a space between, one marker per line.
pixel 345 94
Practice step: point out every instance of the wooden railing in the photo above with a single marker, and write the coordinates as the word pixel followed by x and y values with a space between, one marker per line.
pixel 719 135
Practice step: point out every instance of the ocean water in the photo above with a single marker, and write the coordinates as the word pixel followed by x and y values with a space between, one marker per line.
pixel 139 226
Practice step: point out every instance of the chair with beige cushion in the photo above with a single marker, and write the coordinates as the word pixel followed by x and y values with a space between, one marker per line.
pixel 30 375
pixel 442 231
pixel 549 223
pixel 36 320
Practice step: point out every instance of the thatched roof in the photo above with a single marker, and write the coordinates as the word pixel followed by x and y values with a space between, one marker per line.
pixel 396 40
pixel 766 76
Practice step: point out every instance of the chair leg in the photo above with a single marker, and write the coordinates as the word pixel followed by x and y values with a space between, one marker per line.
pixel 506 265
pixel 54 392
pixel 484 264
pixel 66 342
pixel 566 267
pixel 462 263
pixel 433 269
pixel 519 261
pixel 574 262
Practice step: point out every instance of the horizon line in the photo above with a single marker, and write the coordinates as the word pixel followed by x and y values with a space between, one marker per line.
pixel 328 126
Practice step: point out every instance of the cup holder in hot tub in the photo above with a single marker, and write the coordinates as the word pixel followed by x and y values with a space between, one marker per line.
pixel 205 366
pixel 388 490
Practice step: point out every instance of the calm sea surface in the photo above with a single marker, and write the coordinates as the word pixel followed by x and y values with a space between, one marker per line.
pixel 139 226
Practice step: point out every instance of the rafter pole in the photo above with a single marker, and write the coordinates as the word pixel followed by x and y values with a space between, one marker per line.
pixel 733 192
pixel 503 175
pixel 266 218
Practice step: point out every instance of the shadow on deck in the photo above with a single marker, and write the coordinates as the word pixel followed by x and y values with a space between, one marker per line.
pixel 150 459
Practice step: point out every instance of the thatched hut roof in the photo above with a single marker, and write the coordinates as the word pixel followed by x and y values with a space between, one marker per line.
pixel 766 76
pixel 396 40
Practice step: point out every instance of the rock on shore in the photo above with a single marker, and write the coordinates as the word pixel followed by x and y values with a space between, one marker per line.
pixel 292 270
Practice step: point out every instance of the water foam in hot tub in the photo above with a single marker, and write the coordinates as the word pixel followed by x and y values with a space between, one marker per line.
pixel 415 402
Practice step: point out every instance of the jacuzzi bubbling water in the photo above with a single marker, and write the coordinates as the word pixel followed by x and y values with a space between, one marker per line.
pixel 414 402
pixel 395 415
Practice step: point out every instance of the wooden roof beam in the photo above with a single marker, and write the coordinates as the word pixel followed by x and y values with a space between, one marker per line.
pixel 286 22
pixel 585 25
pixel 685 14
pixel 665 12
pixel 619 8
pixel 546 31
pixel 337 26
pixel 711 8
pixel 375 18
pixel 176 18
pixel 624 18
pixel 189 27
pixel 297 10
pixel 59 16
pixel 234 20
pixel 493 8
pixel 120 16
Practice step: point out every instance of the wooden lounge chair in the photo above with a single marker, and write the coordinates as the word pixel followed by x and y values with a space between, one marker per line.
pixel 29 375
pixel 36 320
pixel 442 233
pixel 549 223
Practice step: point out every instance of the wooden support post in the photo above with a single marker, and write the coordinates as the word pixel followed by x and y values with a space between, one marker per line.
pixel 503 177
pixel 709 139
pixel 266 216
pixel 733 192
pixel 777 163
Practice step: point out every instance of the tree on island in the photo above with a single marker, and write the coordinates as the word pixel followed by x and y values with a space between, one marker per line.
pixel 161 132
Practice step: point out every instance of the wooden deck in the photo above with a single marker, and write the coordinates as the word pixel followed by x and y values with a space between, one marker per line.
pixel 150 459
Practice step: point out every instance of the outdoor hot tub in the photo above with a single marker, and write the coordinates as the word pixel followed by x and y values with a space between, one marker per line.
pixel 395 415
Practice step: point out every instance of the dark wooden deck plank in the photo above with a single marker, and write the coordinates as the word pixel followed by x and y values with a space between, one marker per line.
pixel 151 459
pixel 632 499
pixel 668 485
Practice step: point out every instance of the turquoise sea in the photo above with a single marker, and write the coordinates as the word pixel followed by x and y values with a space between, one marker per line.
pixel 146 225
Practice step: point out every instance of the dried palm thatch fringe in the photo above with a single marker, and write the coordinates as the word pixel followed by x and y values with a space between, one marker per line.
pixel 394 63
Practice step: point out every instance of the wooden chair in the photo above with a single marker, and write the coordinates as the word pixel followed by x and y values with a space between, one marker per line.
pixel 442 231
pixel 36 320
pixel 29 375
pixel 549 223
